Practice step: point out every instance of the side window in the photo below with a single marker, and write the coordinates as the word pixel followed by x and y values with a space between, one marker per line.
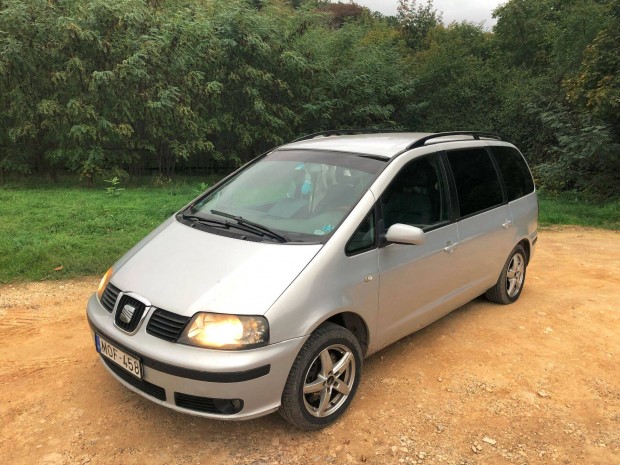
pixel 417 195
pixel 364 237
pixel 477 184
pixel 514 171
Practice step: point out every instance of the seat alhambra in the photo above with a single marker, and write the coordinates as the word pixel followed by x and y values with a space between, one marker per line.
pixel 267 292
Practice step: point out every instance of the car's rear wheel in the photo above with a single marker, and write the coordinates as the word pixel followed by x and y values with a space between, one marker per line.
pixel 323 379
pixel 510 283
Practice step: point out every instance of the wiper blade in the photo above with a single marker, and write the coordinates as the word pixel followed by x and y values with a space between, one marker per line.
pixel 256 226
pixel 202 219
pixel 223 224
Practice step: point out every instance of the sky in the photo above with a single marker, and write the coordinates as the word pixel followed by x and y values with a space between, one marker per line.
pixel 453 10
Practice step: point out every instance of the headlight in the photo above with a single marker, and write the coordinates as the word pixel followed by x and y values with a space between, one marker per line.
pixel 229 332
pixel 104 282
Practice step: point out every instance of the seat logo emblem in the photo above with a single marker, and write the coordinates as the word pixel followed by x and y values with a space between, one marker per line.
pixel 127 313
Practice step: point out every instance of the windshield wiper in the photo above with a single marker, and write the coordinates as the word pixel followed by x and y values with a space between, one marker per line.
pixel 223 224
pixel 202 219
pixel 256 226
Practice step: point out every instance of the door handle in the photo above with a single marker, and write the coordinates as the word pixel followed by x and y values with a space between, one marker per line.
pixel 449 248
pixel 507 224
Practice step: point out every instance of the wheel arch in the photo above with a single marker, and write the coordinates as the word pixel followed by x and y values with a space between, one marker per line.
pixel 525 243
pixel 354 323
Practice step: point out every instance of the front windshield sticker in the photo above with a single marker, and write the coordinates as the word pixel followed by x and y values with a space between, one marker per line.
pixel 327 228
pixel 319 232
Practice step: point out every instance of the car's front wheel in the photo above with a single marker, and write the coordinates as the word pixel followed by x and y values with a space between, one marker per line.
pixel 323 379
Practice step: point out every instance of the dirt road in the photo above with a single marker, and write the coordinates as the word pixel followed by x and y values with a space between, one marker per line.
pixel 534 383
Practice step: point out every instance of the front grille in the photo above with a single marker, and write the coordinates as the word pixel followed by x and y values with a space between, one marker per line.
pixel 128 313
pixel 208 405
pixel 109 296
pixel 144 386
pixel 166 325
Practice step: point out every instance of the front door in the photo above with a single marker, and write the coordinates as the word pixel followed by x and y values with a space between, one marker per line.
pixel 416 280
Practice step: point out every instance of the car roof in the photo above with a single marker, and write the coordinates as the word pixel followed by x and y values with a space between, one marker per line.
pixel 386 145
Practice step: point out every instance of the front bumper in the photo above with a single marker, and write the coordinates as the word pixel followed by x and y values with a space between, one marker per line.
pixel 188 379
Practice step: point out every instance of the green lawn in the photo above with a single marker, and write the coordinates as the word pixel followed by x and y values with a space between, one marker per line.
pixel 578 210
pixel 85 230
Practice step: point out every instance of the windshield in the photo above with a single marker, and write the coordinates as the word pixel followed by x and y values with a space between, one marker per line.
pixel 302 195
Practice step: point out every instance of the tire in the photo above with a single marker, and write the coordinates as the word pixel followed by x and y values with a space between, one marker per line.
pixel 511 280
pixel 328 392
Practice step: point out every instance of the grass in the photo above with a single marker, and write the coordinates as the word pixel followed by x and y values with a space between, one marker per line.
pixel 51 232
pixel 575 209
pixel 58 232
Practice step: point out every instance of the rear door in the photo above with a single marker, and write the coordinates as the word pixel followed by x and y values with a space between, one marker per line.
pixel 484 221
pixel 519 190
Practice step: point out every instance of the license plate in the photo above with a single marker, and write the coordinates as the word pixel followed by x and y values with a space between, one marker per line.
pixel 122 359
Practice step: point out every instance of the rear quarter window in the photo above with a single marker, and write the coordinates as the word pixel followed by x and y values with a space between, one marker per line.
pixel 514 170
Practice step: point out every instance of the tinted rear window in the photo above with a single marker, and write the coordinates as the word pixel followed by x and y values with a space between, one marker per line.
pixel 477 184
pixel 514 171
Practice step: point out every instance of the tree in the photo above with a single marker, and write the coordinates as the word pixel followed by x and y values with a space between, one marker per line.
pixel 596 86
pixel 416 21
pixel 522 32
pixel 104 88
pixel 359 77
pixel 456 80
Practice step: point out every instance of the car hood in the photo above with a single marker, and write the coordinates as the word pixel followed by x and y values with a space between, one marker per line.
pixel 184 270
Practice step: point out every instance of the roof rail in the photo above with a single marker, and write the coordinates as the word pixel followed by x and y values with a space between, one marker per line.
pixel 476 135
pixel 343 132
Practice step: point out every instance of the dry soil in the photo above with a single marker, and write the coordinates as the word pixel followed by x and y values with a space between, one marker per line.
pixel 536 382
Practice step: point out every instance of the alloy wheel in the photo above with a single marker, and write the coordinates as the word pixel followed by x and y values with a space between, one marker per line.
pixel 515 274
pixel 329 380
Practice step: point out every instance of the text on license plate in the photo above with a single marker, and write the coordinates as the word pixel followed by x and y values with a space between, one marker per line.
pixel 122 359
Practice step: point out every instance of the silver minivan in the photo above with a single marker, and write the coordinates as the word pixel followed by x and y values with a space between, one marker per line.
pixel 268 291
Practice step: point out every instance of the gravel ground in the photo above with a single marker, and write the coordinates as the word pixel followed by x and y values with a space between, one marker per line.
pixel 533 383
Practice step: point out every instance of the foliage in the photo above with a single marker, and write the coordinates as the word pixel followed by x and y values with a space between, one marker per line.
pixel 342 12
pixel 203 186
pixel 522 31
pixel 596 86
pixel 113 186
pixel 456 79
pixel 343 68
pixel 564 54
pixel 416 21
pixel 585 158
pixel 112 89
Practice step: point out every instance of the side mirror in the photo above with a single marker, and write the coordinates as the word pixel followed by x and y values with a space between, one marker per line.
pixel 405 234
